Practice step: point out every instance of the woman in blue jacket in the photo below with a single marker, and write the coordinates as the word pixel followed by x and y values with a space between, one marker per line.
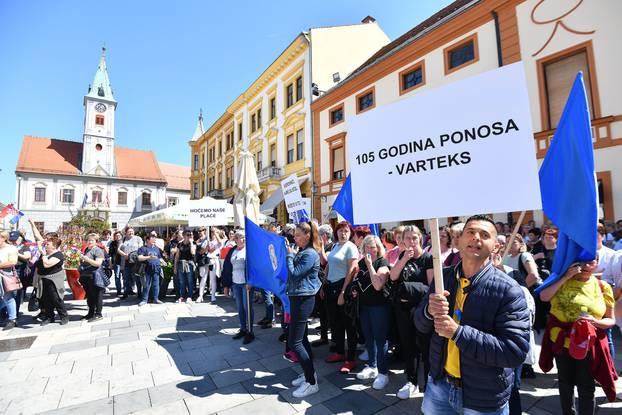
pixel 303 282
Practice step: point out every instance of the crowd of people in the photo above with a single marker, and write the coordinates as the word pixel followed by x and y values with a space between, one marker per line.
pixel 472 343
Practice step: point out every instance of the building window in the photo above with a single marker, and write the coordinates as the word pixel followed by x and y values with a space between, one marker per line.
pixel 239 131
pixel 298 88
pixel 365 101
pixel 559 76
pixel 202 189
pixel 40 227
pixel 289 93
pixel 122 198
pixel 259 118
pixel 272 155
pixel 210 155
pixel 39 194
pixel 172 201
pixel 290 148
pixel 210 183
pixel 195 163
pixel 336 115
pixel 96 196
pixel 67 196
pixel 461 54
pixel 253 123
pixel 411 78
pixel 99 120
pixel 259 160
pixel 195 190
pixel 146 199
pixel 202 160
pixel 272 108
pixel 219 148
pixel 338 163
pixel 300 146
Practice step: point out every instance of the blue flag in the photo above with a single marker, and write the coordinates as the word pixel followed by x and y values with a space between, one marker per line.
pixel 265 261
pixel 343 205
pixel 300 216
pixel 568 185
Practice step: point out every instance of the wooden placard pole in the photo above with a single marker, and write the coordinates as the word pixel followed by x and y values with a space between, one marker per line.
pixel 513 236
pixel 436 257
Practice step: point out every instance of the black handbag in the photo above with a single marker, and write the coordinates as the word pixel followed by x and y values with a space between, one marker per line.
pixel 33 302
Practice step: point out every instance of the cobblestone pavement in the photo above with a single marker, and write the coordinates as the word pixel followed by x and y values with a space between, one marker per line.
pixel 180 359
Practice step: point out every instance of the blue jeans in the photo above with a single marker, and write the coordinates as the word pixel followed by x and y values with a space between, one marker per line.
pixel 267 298
pixel 441 398
pixel 240 293
pixel 186 283
pixel 612 348
pixel 152 279
pixel 514 403
pixel 8 301
pixel 128 280
pixel 375 325
pixel 117 278
pixel 301 308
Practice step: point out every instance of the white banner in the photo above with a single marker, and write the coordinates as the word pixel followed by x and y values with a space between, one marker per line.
pixel 209 213
pixel 456 150
pixel 291 194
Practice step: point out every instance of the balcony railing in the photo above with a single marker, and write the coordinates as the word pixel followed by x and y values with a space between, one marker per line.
pixel 269 173
pixel 216 193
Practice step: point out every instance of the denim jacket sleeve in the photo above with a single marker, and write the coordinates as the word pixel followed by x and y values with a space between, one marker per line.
pixel 299 266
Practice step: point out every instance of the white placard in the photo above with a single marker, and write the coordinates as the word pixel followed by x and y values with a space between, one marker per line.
pixel 291 194
pixel 209 213
pixel 456 150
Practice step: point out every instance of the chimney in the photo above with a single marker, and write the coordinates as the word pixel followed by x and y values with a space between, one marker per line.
pixel 368 19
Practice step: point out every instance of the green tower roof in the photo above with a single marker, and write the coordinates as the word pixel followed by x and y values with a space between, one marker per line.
pixel 101 84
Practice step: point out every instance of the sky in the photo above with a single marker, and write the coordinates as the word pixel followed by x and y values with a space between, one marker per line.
pixel 166 60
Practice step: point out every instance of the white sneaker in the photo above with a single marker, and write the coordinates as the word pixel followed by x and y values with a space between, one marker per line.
pixel 407 391
pixel 380 382
pixel 142 303
pixel 301 379
pixel 364 356
pixel 305 389
pixel 367 373
pixel 199 299
pixel 188 300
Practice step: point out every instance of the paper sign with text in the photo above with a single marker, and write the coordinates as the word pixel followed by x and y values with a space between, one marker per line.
pixel 291 194
pixel 209 213
pixel 456 150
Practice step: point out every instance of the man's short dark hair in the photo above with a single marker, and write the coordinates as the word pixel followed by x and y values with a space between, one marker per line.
pixel 483 218
pixel 535 231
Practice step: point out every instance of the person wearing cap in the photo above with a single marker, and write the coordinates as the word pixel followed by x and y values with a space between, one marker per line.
pixel 579 295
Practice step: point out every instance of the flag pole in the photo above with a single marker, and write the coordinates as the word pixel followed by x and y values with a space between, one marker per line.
pixel 436 257
pixel 513 236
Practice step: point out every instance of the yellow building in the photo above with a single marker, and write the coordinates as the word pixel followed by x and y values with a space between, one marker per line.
pixel 272 117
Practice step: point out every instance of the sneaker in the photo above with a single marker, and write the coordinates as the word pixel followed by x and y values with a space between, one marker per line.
pixel 291 356
pixel 181 300
pixel 407 391
pixel 95 318
pixel 283 338
pixel 87 317
pixel 199 299
pixel 46 321
pixel 367 373
pixel 239 335
pixel 267 325
pixel 9 325
pixel 64 321
pixel 301 379
pixel 248 337
pixel 188 300
pixel 364 356
pixel 336 357
pixel 305 389
pixel 142 303
pixel 380 382
pixel 159 302
pixel 264 321
pixel 347 366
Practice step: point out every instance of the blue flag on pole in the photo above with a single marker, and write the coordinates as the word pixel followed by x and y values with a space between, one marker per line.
pixel 265 260
pixel 343 205
pixel 568 185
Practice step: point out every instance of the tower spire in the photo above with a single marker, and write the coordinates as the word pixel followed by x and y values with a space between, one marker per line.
pixel 100 88
pixel 199 130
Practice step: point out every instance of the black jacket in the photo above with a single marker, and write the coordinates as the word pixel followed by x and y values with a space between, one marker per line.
pixel 227 269
pixel 493 336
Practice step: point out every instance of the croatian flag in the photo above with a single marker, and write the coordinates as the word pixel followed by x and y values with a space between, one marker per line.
pixel 343 205
pixel 13 215
pixel 568 185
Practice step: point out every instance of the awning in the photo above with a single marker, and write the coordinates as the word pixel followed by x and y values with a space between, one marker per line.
pixel 276 197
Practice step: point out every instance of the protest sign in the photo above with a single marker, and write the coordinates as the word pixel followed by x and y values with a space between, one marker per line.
pixel 210 212
pixel 456 150
pixel 291 194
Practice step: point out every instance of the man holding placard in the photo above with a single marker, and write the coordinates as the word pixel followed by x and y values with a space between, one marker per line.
pixel 480 330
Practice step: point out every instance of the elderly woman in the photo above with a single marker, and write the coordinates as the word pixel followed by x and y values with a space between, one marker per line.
pixel 374 310
pixel 91 260
pixel 8 260
pixel 342 261
pixel 523 263
pixel 303 282
pixel 410 279
pixel 50 280
pixel 578 295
